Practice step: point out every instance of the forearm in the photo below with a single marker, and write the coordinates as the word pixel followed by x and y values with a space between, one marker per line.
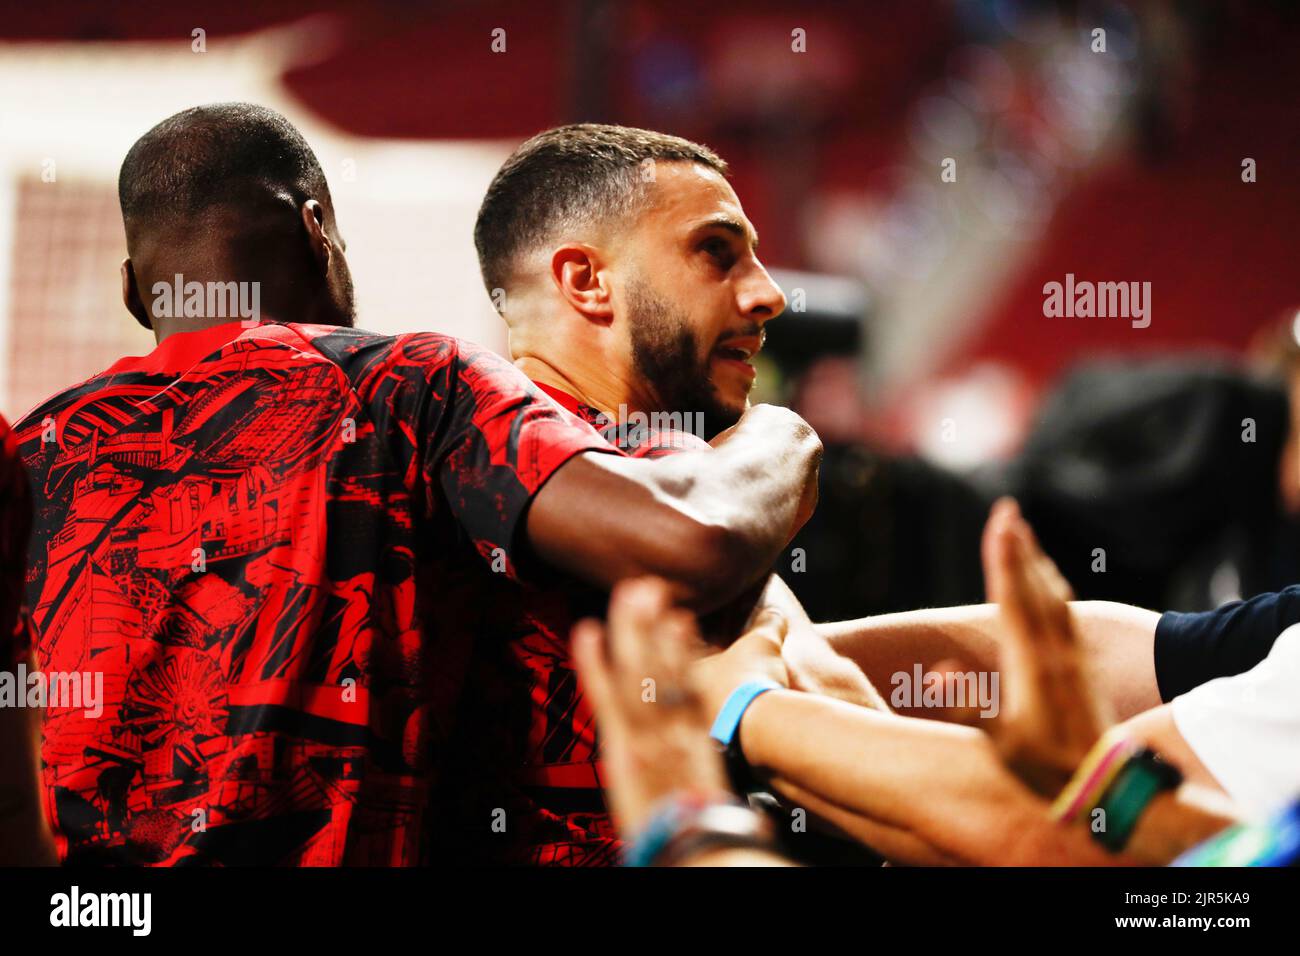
pixel 889 644
pixel 650 521
pixel 1177 821
pixel 761 480
pixel 737 856
pixel 1117 638
pixel 710 522
pixel 1199 808
pixel 752 491
pixel 923 791
pixel 895 844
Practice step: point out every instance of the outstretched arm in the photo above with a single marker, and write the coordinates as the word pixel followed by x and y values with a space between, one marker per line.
pixel 1118 642
pixel 709 522
pixel 926 792
pixel 919 792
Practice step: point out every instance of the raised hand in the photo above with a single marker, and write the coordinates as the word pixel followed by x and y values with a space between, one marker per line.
pixel 653 725
pixel 1050 716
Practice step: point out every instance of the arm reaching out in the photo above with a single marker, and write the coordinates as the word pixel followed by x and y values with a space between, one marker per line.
pixel 709 522
pixel 1117 639
pixel 919 791
pixel 1053 720
pixel 925 792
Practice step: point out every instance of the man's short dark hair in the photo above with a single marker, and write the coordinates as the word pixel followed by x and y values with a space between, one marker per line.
pixel 223 153
pixel 585 172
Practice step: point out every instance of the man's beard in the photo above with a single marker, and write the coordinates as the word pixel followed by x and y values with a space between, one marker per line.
pixel 666 356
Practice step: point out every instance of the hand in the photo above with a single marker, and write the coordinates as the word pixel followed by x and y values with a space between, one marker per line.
pixel 813 665
pixel 754 656
pixel 807 501
pixel 653 727
pixel 1049 717
pixel 775 418
pixel 817 668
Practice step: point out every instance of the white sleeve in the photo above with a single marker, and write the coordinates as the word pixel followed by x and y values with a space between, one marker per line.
pixel 1246 728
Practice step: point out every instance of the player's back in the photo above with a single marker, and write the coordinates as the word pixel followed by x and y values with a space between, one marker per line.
pixel 265 543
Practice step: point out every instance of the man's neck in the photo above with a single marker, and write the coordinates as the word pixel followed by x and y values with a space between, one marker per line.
pixel 163 329
pixel 603 392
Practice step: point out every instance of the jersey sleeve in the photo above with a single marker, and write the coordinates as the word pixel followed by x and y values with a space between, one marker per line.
pixel 490 441
pixel 1192 648
pixel 665 442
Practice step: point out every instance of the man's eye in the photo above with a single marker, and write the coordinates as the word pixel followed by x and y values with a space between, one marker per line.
pixel 719 250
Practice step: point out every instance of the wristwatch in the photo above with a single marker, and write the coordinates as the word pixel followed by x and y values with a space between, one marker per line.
pixel 1142 778
pixel 686 824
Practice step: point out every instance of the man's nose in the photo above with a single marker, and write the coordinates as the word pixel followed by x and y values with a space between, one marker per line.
pixel 761 298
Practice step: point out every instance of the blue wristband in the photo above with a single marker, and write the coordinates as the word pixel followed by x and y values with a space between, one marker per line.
pixel 727 725
pixel 665 820
pixel 687 822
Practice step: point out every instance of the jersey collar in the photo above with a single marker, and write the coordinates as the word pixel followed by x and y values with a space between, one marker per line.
pixel 566 400
pixel 180 350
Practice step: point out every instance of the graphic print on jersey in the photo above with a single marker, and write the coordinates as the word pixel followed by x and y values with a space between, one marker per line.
pixel 272 558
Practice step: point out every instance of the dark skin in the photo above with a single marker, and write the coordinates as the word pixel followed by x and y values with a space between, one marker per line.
pixel 710 524
pixel 295 254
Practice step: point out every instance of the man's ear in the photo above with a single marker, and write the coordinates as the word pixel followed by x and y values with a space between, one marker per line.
pixel 579 274
pixel 313 220
pixel 131 295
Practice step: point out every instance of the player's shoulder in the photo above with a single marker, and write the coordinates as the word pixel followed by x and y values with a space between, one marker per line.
pixel 360 347
pixel 412 362
pixel 36 422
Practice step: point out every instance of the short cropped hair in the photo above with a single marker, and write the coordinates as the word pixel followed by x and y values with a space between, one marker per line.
pixel 581 173
pixel 220 154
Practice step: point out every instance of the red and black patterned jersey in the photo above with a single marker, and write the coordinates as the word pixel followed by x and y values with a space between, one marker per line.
pixel 280 547
pixel 557 793
pixel 640 436
pixel 15 526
